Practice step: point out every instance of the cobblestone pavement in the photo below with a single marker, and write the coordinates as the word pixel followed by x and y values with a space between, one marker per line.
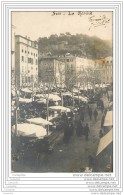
pixel 71 157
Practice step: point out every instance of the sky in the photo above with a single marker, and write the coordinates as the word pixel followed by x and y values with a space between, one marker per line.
pixel 43 24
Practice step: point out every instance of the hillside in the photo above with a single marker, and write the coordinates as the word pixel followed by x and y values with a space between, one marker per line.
pixel 79 44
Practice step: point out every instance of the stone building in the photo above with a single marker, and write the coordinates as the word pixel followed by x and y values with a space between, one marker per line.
pixel 26 61
pixel 52 71
pixel 105 67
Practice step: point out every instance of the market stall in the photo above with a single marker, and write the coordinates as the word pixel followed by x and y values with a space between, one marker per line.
pixel 83 99
pixel 59 108
pixel 30 130
pixel 39 121
pixel 25 100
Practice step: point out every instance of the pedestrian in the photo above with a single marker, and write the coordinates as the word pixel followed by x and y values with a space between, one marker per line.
pixel 82 116
pixel 101 133
pixel 102 120
pixel 79 130
pixel 86 131
pixel 66 132
pixel 95 114
pixel 91 161
pixel 90 113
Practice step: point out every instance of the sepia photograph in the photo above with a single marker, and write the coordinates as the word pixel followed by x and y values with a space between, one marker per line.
pixel 61 91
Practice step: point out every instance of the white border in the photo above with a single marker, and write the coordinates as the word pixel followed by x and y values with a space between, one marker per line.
pixel 11 181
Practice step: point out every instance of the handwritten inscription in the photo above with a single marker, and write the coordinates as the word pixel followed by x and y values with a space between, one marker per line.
pixel 70 13
pixel 98 21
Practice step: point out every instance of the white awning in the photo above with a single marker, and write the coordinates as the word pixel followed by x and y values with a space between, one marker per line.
pixel 25 100
pixel 84 99
pixel 67 94
pixel 52 97
pixel 104 142
pixel 30 130
pixel 26 90
pixel 59 108
pixel 108 119
pixel 39 121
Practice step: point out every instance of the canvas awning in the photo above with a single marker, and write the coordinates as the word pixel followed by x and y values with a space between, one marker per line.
pixel 30 130
pixel 104 142
pixel 52 97
pixel 39 121
pixel 108 119
pixel 67 94
pixel 59 108
pixel 84 99
pixel 26 90
pixel 25 100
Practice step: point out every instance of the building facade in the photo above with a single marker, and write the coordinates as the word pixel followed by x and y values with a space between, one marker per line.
pixel 105 66
pixel 52 71
pixel 75 68
pixel 26 61
pixel 13 31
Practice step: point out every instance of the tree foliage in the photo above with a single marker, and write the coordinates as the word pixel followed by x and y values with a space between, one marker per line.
pixel 79 44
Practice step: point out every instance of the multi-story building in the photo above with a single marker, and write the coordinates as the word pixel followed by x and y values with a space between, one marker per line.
pixel 52 71
pixel 13 47
pixel 75 67
pixel 105 67
pixel 26 61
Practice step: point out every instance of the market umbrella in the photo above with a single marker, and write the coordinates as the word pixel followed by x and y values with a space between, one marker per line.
pixel 39 121
pixel 30 130
pixel 59 108
pixel 25 100
pixel 26 90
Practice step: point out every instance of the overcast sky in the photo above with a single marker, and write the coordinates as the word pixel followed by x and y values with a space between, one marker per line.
pixel 43 24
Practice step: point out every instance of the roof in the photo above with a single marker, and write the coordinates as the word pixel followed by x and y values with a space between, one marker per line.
pixel 108 119
pixel 104 142
pixel 27 38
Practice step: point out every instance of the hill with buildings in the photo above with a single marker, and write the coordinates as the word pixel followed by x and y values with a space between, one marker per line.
pixel 79 45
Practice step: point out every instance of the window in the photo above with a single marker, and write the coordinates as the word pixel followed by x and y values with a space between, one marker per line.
pixel 29 60
pixel 25 51
pixel 29 79
pixel 28 52
pixel 22 58
pixel 23 79
pixel 28 71
pixel 22 68
pixel 22 50
pixel 67 60
pixel 32 77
